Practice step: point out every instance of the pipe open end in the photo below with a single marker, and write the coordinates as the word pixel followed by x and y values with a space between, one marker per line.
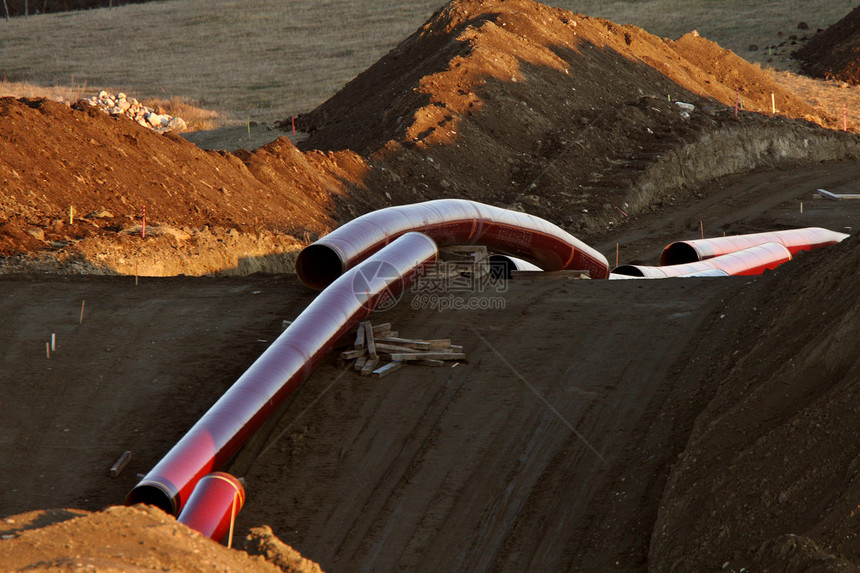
pixel 153 494
pixel 318 266
pixel 628 270
pixel 678 254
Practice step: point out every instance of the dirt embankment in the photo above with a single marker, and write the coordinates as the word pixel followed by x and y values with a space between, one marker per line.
pixel 572 118
pixel 768 479
pixel 835 52
pixel 568 117
pixel 76 183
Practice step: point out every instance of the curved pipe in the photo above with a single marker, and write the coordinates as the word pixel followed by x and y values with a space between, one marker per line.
pixel 213 505
pixel 503 266
pixel 752 261
pixel 288 361
pixel 794 240
pixel 448 222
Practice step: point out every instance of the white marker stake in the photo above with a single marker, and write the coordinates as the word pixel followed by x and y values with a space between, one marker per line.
pixel 53 342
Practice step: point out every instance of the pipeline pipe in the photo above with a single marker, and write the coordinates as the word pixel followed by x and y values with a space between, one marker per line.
pixel 213 505
pixel 448 222
pixel 794 240
pixel 288 361
pixel 752 261
pixel 503 266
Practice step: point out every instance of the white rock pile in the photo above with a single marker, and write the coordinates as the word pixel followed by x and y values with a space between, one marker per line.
pixel 120 104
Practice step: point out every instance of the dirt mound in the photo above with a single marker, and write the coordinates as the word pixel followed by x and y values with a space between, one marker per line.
pixel 769 477
pixel 522 105
pixel 139 538
pixel 76 183
pixel 835 52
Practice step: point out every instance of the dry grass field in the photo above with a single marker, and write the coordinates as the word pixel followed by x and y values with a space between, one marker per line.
pixel 264 60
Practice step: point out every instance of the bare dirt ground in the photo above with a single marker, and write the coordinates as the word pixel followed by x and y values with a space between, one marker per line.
pixel 428 469
pixel 688 425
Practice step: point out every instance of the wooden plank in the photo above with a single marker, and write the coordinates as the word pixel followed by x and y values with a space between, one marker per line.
pixel 380 329
pixel 359 364
pixel 407 356
pixel 359 336
pixel 406 342
pixel 389 348
pixel 387 369
pixel 120 464
pixel 352 354
pixel 369 366
pixel 368 338
pixel 439 343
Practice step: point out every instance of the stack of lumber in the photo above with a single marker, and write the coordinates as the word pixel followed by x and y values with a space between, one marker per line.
pixel 460 260
pixel 379 351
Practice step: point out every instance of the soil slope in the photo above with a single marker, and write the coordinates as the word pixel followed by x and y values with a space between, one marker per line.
pixel 770 474
pixel 835 52
pixel 564 116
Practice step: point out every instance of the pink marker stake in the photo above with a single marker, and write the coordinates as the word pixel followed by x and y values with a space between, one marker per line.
pixel 143 227
pixel 293 120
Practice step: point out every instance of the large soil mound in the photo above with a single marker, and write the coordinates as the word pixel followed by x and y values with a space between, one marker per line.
pixel 835 52
pixel 565 116
pixel 76 182
pixel 770 474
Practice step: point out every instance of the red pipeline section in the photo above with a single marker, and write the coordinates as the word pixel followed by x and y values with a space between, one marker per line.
pixel 290 359
pixel 448 222
pixel 794 240
pixel 752 261
pixel 213 506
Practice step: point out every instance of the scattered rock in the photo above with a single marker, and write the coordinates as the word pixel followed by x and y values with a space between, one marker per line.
pixel 121 104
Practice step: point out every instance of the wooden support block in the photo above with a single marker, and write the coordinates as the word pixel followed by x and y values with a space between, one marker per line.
pixel 369 366
pixel 368 338
pixel 380 329
pixel 352 354
pixel 430 362
pixel 406 342
pixel 120 464
pixel 382 347
pixel 439 343
pixel 359 336
pixel 359 364
pixel 407 356
pixel 387 369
